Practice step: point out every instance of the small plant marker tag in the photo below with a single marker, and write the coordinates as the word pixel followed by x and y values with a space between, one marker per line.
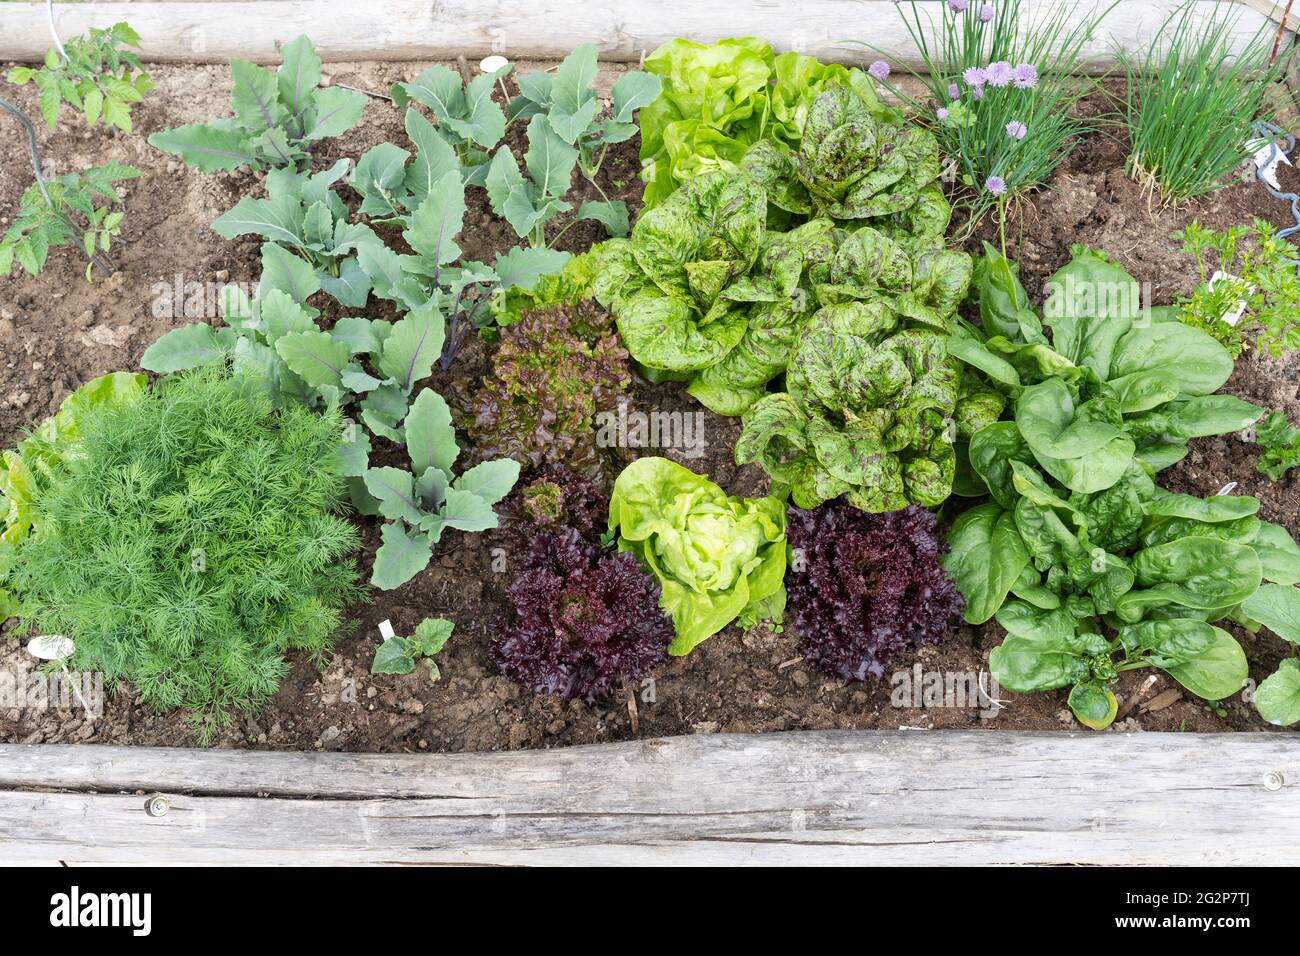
pixel 50 647
pixel 1233 316
pixel 386 629
pixel 1266 158
pixel 56 647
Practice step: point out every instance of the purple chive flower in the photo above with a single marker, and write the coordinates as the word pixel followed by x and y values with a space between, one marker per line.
pixel 999 73
pixel 958 6
pixel 974 77
pixel 977 93
pixel 995 185
pixel 986 13
pixel 879 69
pixel 941 114
pixel 953 91
pixel 1017 129
pixel 1025 76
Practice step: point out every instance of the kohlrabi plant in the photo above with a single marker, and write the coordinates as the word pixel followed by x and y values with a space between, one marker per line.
pixel 424 501
pixel 717 558
pixel 1249 292
pixel 573 112
pixel 303 214
pixel 94 74
pixel 468 119
pixel 74 207
pixel 370 367
pixel 435 277
pixel 528 202
pixel 399 655
pixel 278 118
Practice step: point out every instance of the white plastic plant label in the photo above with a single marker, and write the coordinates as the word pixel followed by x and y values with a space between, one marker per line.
pixel 1233 315
pixel 51 647
pixel 491 64
pixel 1266 157
pixel 386 630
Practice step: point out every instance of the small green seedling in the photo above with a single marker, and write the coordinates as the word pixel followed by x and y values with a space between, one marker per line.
pixel 73 207
pixel 1279 445
pixel 398 655
pixel 92 74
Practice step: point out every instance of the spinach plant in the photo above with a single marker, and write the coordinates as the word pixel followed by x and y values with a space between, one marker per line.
pixel 1090 568
pixel 278 117
pixel 93 74
pixel 1277 607
pixel 302 213
pixel 398 655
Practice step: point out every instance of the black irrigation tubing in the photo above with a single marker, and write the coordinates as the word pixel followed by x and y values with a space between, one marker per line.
pixel 105 264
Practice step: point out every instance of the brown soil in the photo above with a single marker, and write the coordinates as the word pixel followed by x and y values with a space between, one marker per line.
pixel 59 331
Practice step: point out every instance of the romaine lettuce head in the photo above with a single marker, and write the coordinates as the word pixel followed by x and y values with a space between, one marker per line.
pixel 855 161
pixel 717 558
pixel 871 412
pixel 701 290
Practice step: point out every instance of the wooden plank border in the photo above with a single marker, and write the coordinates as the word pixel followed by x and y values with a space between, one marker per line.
pixel 212 32
pixel 824 797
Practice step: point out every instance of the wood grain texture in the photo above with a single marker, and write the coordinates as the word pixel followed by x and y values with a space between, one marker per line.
pixel 536 29
pixel 832 797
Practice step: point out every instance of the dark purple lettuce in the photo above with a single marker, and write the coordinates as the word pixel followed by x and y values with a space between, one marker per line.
pixel 558 498
pixel 864 587
pixel 584 617
pixel 552 374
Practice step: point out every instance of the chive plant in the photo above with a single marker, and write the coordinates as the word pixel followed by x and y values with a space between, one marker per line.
pixel 1193 99
pixel 1002 90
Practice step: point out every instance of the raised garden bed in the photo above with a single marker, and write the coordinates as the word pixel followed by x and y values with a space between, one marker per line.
pixel 58 332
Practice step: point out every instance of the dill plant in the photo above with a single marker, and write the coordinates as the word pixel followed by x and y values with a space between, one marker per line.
pixel 192 543
pixel 1193 100
pixel 1002 92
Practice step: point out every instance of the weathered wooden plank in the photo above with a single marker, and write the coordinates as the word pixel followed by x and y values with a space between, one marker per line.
pixel 814 797
pixel 535 29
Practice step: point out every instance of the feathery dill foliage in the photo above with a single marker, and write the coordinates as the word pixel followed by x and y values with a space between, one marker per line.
pixel 1002 89
pixel 1192 101
pixel 193 543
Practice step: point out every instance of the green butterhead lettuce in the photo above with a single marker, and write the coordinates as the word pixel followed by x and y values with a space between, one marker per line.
pixel 28 469
pixel 717 558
